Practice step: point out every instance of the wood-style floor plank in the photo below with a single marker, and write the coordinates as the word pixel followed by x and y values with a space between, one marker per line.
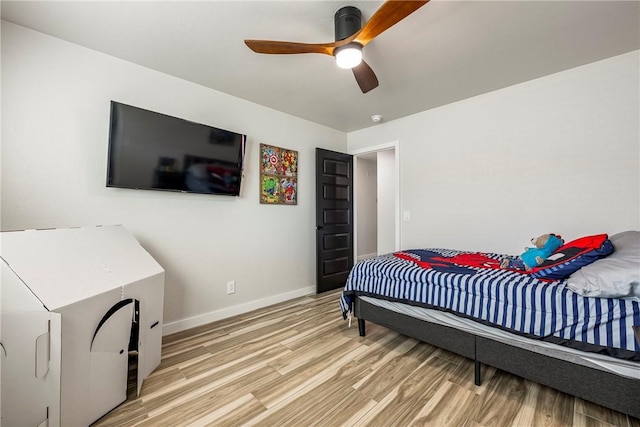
pixel 451 405
pixel 504 398
pixel 298 364
pixel 307 376
pixel 405 401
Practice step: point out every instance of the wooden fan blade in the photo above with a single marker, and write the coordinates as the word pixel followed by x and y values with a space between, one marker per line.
pixel 278 47
pixel 365 77
pixel 389 14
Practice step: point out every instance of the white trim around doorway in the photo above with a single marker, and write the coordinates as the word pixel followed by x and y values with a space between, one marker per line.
pixel 395 145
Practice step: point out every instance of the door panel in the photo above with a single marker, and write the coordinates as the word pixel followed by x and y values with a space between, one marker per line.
pixel 108 359
pixel 337 241
pixel 334 219
pixel 149 340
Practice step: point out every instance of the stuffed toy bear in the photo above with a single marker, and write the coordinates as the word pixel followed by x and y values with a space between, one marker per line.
pixel 545 245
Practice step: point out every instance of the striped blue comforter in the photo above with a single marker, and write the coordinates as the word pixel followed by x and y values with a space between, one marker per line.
pixel 513 301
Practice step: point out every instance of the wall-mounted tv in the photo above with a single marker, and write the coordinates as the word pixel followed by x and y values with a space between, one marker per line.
pixel 153 151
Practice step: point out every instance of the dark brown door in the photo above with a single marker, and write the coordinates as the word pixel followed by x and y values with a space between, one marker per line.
pixel 334 219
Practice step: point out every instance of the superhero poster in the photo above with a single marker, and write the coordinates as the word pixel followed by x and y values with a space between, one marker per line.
pixel 289 190
pixel 269 159
pixel 278 175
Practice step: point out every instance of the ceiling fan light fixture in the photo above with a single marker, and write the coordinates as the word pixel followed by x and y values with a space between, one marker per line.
pixel 350 37
pixel 349 55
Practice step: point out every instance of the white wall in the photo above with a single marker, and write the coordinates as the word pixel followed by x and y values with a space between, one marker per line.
pixel 366 198
pixel 386 201
pixel 556 154
pixel 55 123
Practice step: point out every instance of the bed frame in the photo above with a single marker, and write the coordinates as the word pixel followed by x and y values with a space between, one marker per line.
pixel 603 388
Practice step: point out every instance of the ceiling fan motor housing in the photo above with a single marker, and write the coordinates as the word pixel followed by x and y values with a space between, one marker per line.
pixel 347 21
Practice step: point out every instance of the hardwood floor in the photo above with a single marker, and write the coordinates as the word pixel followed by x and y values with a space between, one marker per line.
pixel 298 364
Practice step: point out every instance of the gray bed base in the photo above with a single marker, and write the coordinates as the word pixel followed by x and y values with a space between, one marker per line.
pixel 603 388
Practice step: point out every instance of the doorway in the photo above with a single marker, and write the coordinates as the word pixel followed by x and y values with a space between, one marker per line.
pixel 376 201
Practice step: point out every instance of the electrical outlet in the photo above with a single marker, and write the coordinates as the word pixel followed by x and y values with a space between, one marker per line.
pixel 231 287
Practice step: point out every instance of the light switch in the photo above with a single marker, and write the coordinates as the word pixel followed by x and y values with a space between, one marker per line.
pixel 406 216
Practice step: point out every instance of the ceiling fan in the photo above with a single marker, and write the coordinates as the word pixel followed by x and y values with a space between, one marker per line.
pixel 350 38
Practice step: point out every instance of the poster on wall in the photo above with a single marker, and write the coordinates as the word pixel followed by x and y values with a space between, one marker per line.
pixel 278 175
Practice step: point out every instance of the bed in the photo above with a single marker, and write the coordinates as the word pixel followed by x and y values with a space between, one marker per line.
pixel 573 324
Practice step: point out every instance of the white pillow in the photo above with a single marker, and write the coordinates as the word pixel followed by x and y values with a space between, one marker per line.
pixel 615 276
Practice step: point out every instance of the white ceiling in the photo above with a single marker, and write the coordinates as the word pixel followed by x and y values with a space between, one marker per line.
pixel 444 52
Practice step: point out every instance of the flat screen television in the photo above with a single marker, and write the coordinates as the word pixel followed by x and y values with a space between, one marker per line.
pixel 154 151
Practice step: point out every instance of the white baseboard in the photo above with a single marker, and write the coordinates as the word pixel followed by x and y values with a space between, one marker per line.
pixel 213 316
pixel 367 256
